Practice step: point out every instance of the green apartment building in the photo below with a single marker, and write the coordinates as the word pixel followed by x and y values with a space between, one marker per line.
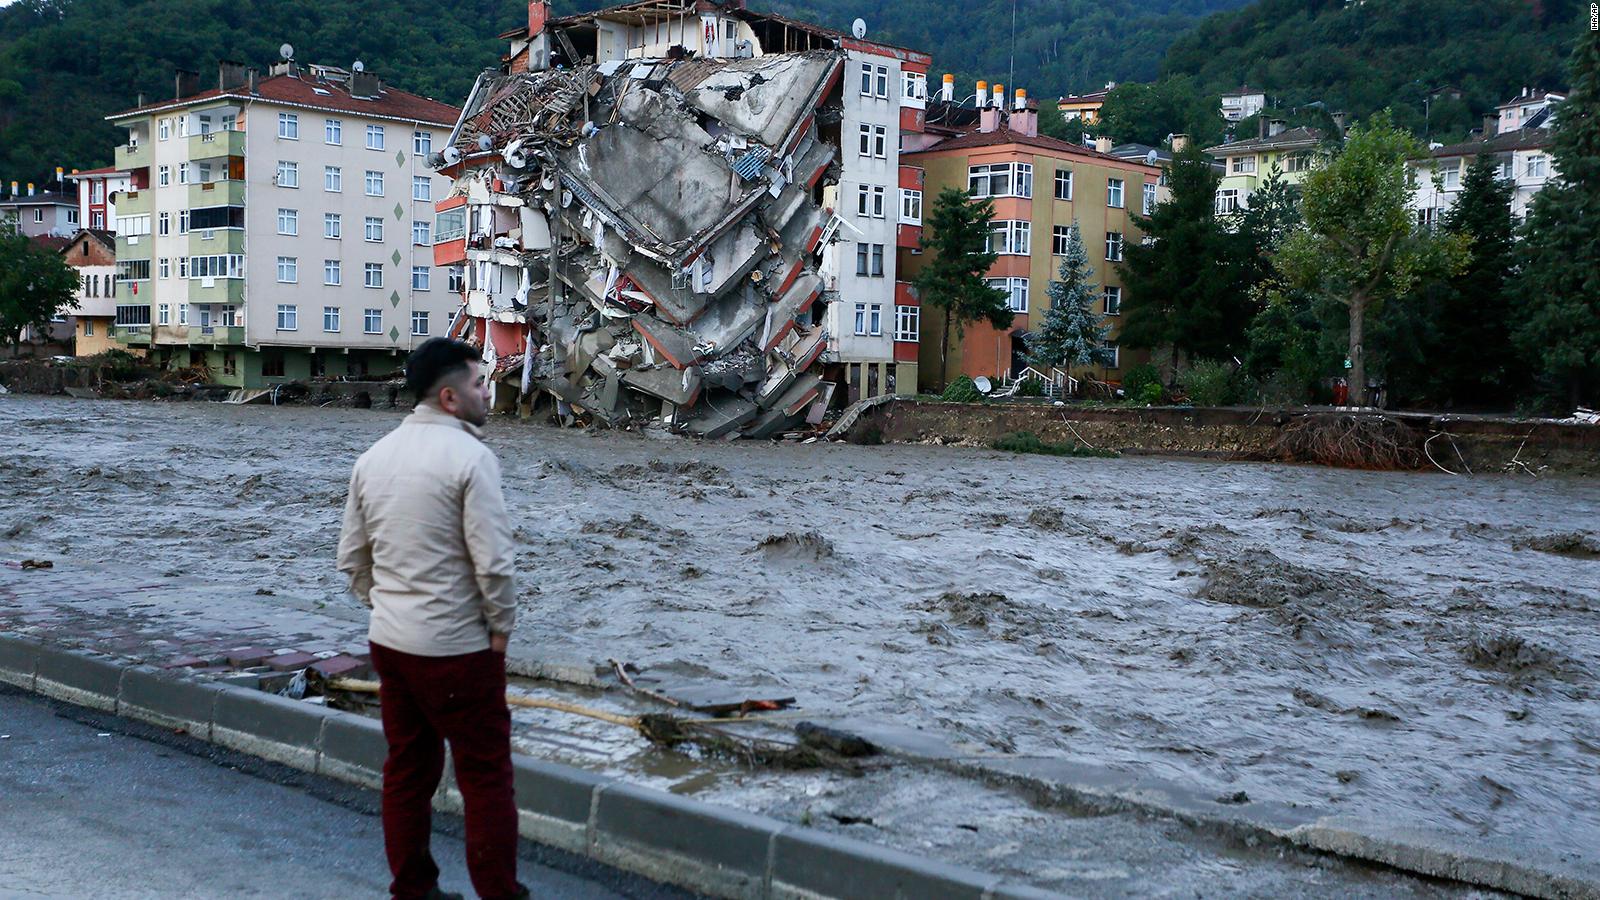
pixel 1247 164
pixel 280 228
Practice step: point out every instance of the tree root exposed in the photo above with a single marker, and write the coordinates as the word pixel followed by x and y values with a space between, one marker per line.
pixel 1350 442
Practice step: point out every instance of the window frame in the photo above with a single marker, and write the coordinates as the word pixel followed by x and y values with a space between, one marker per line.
pixel 907 323
pixel 370 224
pixel 368 314
pixel 378 132
pixel 332 274
pixel 1118 185
pixel 333 132
pixel 288 313
pixel 333 313
pixel 288 126
pixel 291 264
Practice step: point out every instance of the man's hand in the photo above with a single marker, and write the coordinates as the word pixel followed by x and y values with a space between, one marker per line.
pixel 497 642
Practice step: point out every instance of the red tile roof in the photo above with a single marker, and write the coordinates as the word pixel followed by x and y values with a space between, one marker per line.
pixel 391 102
pixel 1004 135
pixel 107 170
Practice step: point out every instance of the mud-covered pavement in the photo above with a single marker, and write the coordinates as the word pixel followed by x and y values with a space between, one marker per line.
pixel 1413 648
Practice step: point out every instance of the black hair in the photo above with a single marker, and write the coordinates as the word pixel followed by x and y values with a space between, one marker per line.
pixel 436 359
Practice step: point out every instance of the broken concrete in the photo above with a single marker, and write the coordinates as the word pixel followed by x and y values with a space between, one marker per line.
pixel 649 230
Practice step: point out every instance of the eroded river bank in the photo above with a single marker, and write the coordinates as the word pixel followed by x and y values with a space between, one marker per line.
pixel 1408 647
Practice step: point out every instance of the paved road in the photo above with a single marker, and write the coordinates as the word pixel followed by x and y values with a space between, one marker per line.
pixel 96 806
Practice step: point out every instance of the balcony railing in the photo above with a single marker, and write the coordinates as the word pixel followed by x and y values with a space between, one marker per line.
pixel 132 156
pixel 215 144
pixel 215 193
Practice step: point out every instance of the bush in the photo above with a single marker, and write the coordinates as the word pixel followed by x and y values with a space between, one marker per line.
pixel 1210 383
pixel 1028 442
pixel 1136 383
pixel 1030 387
pixel 1149 395
pixel 962 390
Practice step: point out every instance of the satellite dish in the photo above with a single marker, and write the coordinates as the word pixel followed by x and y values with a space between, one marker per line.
pixel 485 142
pixel 514 156
pixel 451 155
pixel 1150 158
pixel 358 66
pixel 983 384
pixel 859 28
pixel 286 51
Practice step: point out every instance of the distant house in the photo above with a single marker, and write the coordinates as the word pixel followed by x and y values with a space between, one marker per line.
pixel 1084 106
pixel 97 192
pixel 1243 103
pixel 1517 135
pixel 39 213
pixel 93 253
pixel 1248 163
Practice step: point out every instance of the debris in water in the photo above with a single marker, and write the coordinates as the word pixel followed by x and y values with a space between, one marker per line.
pixel 796 545
pixel 38 564
pixel 1571 543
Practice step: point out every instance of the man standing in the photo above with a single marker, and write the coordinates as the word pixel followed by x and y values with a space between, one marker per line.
pixel 427 544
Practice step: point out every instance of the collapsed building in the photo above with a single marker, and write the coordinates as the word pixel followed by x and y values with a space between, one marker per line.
pixel 645 231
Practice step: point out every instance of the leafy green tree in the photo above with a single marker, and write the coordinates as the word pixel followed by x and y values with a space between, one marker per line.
pixel 1359 247
pixel 1561 250
pixel 1072 334
pixel 1147 113
pixel 1183 287
pixel 956 232
pixel 36 285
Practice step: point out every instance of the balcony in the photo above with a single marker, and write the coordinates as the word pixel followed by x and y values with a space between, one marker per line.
pixel 216 241
pixel 170 334
pixel 133 157
pixel 216 335
pixel 131 335
pixel 222 290
pixel 133 246
pixel 135 203
pixel 214 193
pixel 215 144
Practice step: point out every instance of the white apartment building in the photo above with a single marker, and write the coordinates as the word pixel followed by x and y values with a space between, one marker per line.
pixel 281 228
pixel 1518 135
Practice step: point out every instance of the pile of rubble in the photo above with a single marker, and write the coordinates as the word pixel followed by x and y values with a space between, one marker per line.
pixel 643 237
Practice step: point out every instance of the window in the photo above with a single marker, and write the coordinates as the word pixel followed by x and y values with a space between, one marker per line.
pixel 1010 237
pixel 1114 193
pixel 1297 162
pixel 288 221
pixel 1063 184
pixel 1227 202
pixel 88 328
pixel 861 259
pixel 164 129
pixel 133 227
pixel 288 174
pixel 133 270
pixel 372 321
pixel 457 279
pixel 1243 165
pixel 272 364
pixel 421 143
pixel 1149 199
pixel 870 201
pixel 230 363
pixel 216 266
pixel 910 206
pixel 164 223
pixel 183 173
pixel 288 270
pixel 1060 236
pixel 330 318
pixel 332 179
pixel 374 137
pixel 421 280
pixel 1536 165
pixel 331 273
pixel 913 85
pixel 374 229
pixel 372 274
pixel 163 175
pixel 861 318
pixel 287 318
pixel 332 225
pixel 907 323
pixel 875 320
pixel 1505 169
pixel 38 214
pixel 450 225
pixel 866 81
pixel 165 267
pixel 421 187
pixel 1113 246
pixel 183 267
pixel 1427 218
pixel 864 148
pixel 374 183
pixel 880 142
pixel 332 132
pixel 877 260
pixel 203 173
pixel 1016 290
pixel 183 314
pixel 1451 176
pixel 72 216
pixel 1111 297
pixel 883 82
pixel 1116 355
pixel 1001 180
pixel 97 220
pixel 420 234
pixel 419 322
pixel 230 316
pixel 289 126
pixel 163 314
pixel 879 210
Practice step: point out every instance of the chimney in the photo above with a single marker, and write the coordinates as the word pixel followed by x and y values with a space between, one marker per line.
pixel 538 14
pixel 947 92
pixel 250 81
pixel 988 120
pixel 30 189
pixel 982 98
pixel 1102 144
pixel 364 85
pixel 139 100
pixel 1338 120
pixel 187 84
pixel 998 98
pixel 230 75
pixel 1275 127
pixel 1021 100
pixel 1491 125
pixel 1180 143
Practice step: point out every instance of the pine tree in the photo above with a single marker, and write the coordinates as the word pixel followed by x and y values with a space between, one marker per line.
pixel 1476 360
pixel 957 234
pixel 1072 334
pixel 1561 246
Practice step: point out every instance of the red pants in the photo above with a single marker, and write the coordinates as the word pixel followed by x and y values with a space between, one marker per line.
pixel 428 700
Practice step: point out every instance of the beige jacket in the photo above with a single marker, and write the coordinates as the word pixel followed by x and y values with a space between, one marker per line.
pixel 426 540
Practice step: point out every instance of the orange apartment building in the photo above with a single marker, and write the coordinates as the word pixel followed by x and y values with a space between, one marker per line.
pixel 1040 186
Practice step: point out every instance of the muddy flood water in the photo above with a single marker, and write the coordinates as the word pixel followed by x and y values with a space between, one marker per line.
pixel 1415 649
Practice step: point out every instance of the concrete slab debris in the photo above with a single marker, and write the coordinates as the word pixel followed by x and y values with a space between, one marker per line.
pixel 643 237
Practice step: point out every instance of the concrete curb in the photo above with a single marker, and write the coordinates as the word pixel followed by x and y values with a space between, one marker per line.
pixel 706 848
